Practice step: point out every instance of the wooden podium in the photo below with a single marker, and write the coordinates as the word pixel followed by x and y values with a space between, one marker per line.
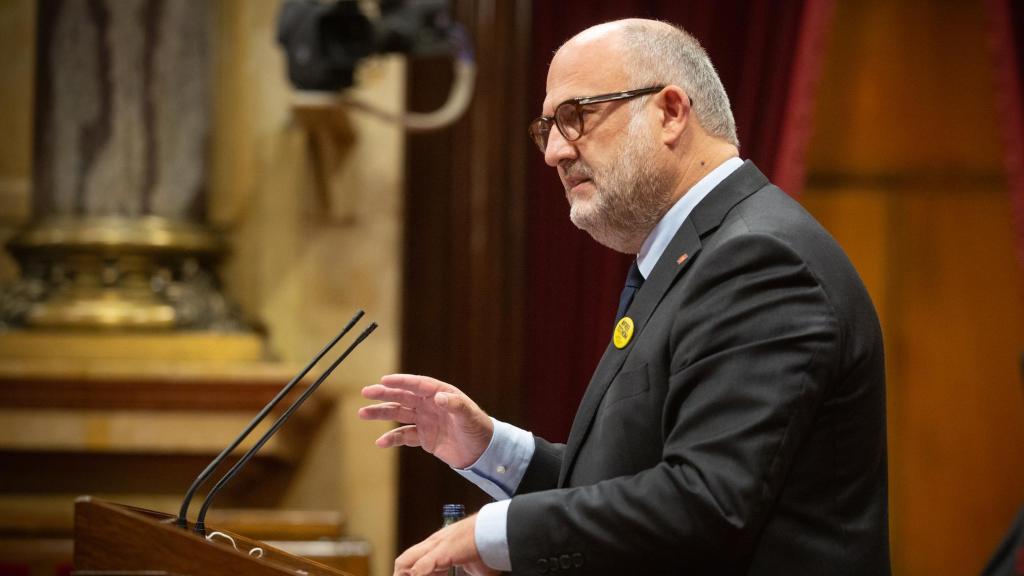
pixel 124 540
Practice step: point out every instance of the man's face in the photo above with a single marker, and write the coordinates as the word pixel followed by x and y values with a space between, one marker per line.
pixel 614 192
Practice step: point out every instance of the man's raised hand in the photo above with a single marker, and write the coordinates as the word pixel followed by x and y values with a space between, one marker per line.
pixel 437 417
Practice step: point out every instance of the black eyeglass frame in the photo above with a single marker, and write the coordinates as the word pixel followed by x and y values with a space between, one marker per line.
pixel 540 127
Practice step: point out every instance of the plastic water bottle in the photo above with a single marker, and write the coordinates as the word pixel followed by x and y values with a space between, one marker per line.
pixel 450 514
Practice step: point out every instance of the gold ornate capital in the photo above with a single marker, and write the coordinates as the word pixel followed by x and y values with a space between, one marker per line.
pixel 111 272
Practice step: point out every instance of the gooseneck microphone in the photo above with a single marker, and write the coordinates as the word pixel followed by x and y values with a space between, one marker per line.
pixel 200 526
pixel 182 520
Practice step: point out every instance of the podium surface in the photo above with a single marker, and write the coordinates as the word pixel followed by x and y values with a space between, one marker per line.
pixel 113 538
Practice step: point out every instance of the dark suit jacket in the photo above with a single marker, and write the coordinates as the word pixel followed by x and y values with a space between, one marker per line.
pixel 741 430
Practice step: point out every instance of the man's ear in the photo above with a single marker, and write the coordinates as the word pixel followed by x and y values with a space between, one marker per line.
pixel 675 113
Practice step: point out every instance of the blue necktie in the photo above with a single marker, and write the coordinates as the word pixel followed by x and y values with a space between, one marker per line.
pixel 634 280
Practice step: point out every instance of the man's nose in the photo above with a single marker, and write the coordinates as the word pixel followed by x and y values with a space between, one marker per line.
pixel 558 149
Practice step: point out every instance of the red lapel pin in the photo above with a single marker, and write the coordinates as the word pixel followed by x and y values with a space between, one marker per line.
pixel 682 259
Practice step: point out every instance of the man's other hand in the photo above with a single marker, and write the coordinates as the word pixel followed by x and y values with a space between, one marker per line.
pixel 437 417
pixel 453 545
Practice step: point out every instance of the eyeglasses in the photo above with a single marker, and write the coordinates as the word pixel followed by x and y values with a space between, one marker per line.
pixel 569 116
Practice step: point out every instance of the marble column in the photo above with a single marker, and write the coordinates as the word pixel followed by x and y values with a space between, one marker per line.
pixel 119 236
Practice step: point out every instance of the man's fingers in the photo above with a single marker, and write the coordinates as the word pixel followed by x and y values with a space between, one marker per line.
pixel 388 411
pixel 424 386
pixel 430 556
pixel 452 402
pixel 401 436
pixel 449 546
pixel 430 563
pixel 379 392
pixel 471 420
pixel 406 564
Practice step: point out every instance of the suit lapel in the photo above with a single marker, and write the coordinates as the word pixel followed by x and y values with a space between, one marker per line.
pixel 672 263
pixel 681 251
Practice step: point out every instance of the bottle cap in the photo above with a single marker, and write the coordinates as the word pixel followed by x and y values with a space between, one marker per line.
pixel 453 511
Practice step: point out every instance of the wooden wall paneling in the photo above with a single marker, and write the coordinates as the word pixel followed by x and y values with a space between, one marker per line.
pixel 17 83
pixel 957 335
pixel 905 171
pixel 462 300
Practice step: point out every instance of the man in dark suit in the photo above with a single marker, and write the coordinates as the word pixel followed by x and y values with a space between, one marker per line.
pixel 736 423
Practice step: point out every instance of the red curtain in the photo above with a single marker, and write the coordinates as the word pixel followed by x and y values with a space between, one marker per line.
pixel 767 53
pixel 1006 23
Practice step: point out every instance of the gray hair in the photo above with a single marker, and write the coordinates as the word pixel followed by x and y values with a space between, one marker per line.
pixel 661 53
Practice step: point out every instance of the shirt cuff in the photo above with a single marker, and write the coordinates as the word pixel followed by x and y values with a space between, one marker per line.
pixel 501 467
pixel 492 537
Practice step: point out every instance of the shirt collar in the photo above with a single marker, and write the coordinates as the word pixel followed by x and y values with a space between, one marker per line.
pixel 658 239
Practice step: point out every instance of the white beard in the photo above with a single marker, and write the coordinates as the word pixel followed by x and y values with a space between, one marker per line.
pixel 629 195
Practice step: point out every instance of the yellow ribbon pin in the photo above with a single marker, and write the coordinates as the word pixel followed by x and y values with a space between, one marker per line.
pixel 623 332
